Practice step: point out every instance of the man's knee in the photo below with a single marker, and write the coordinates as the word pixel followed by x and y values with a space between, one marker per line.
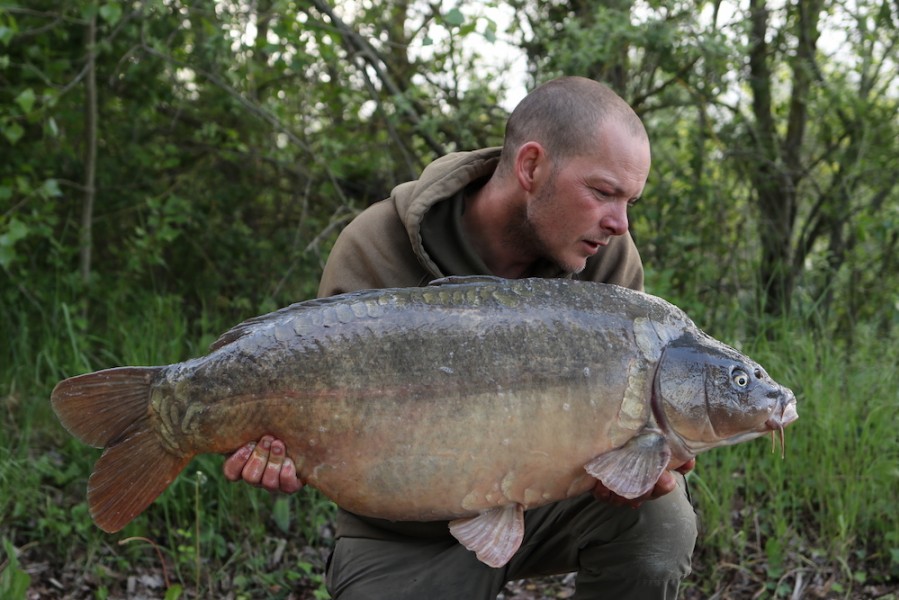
pixel 656 543
pixel 361 569
pixel 671 529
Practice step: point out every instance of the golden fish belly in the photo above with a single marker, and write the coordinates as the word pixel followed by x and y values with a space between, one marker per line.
pixel 473 453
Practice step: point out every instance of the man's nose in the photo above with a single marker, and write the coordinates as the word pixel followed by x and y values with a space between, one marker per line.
pixel 614 221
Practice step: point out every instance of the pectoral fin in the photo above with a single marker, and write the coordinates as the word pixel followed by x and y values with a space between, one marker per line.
pixel 633 469
pixel 494 536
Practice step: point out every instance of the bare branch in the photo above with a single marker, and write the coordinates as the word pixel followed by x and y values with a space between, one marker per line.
pixel 255 109
pixel 359 46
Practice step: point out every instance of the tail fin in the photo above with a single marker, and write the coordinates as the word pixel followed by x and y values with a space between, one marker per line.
pixel 108 409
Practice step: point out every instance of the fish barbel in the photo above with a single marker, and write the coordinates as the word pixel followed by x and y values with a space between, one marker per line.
pixel 471 400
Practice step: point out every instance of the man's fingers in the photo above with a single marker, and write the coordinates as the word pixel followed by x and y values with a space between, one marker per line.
pixel 665 485
pixel 271 476
pixel 235 463
pixel 687 466
pixel 264 464
pixel 289 480
pixel 255 468
pixel 280 472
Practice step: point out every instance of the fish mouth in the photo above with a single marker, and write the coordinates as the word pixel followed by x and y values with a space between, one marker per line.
pixel 777 422
pixel 787 414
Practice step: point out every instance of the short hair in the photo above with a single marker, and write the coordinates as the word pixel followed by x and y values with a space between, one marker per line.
pixel 563 115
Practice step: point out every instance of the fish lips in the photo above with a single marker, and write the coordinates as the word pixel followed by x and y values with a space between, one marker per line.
pixel 777 422
pixel 788 413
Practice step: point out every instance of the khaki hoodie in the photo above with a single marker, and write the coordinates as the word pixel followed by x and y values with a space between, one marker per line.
pixel 416 236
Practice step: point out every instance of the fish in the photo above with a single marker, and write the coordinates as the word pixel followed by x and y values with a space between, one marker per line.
pixel 470 400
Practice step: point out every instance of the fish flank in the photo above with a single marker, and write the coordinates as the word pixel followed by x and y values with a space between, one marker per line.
pixel 471 398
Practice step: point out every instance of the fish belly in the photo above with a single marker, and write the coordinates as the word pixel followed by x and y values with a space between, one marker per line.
pixel 452 457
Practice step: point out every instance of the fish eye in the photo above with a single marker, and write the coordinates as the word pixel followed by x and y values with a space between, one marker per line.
pixel 740 378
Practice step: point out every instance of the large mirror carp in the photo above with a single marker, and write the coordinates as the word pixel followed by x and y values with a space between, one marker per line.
pixel 471 400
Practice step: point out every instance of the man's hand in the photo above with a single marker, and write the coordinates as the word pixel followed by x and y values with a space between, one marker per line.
pixel 264 464
pixel 664 485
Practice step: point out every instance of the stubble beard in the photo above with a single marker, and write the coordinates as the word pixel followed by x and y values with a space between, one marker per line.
pixel 523 237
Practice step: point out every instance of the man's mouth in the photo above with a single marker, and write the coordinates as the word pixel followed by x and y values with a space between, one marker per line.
pixel 593 246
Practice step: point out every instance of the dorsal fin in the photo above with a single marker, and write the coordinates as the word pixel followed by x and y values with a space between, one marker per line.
pixel 460 279
pixel 240 330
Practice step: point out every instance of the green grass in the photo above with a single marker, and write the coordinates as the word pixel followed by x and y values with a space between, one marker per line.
pixel 213 537
pixel 827 508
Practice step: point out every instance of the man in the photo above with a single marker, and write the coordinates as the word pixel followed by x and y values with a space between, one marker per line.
pixel 552 202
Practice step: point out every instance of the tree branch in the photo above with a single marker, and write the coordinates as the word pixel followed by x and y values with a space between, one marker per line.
pixel 254 109
pixel 359 46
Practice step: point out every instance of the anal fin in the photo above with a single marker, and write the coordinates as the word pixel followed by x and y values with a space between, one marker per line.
pixel 633 469
pixel 494 536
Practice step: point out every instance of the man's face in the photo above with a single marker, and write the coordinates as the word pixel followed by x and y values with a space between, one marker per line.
pixel 584 202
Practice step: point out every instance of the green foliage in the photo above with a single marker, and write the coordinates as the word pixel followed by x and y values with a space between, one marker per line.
pixel 13 580
pixel 222 176
pixel 235 140
pixel 829 501
pixel 205 534
pixel 788 190
pixel 831 497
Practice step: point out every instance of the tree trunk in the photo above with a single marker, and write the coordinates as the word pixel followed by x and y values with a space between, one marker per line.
pixel 90 153
pixel 777 168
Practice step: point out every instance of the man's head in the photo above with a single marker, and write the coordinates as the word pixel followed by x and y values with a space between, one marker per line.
pixel 563 115
pixel 579 156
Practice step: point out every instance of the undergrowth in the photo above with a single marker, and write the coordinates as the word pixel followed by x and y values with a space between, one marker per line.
pixel 203 537
pixel 825 512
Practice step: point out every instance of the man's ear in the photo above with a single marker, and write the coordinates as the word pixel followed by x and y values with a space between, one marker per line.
pixel 529 160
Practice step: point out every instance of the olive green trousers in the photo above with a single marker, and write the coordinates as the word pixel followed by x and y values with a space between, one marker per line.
pixel 618 552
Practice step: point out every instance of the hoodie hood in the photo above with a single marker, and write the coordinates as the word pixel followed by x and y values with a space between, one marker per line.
pixel 383 246
pixel 442 180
